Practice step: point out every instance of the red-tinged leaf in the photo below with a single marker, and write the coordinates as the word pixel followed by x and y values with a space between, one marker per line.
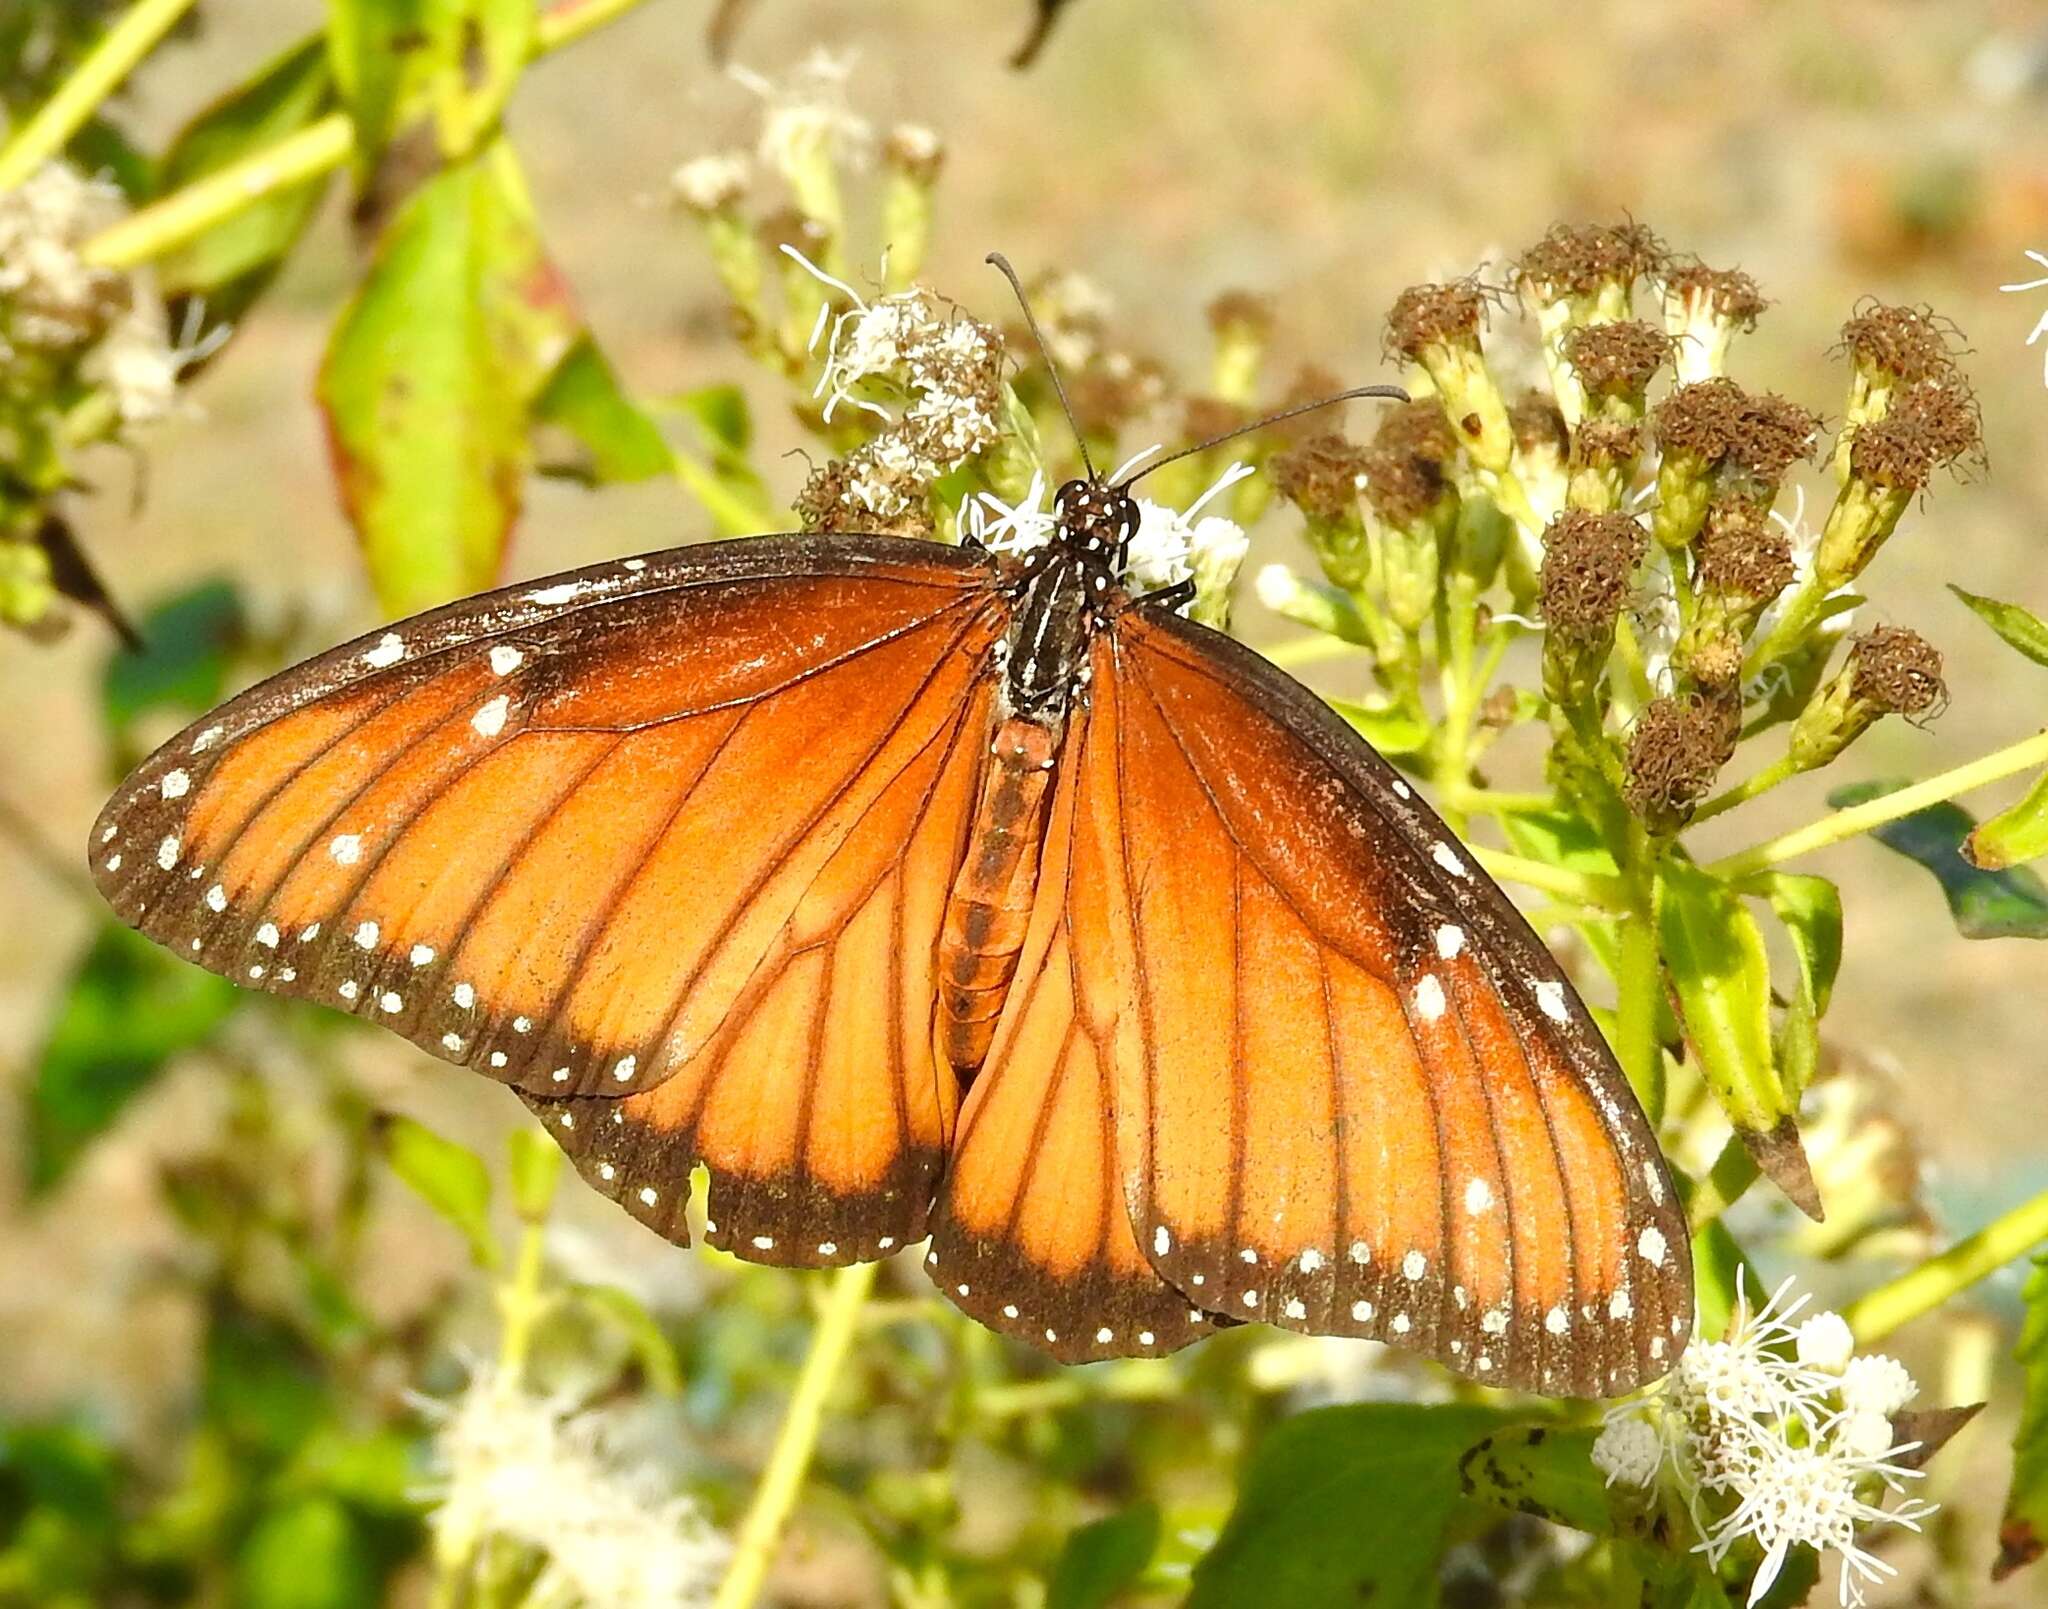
pixel 430 377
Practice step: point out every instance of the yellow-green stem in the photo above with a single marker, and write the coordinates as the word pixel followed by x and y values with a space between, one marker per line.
pixel 1640 985
pixel 1313 650
pixel 1875 1314
pixel 2005 762
pixel 317 149
pixel 1779 770
pixel 1586 888
pixel 117 54
pixel 519 1308
pixel 780 1482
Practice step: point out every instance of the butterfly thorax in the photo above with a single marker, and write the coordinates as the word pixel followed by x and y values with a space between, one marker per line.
pixel 1063 592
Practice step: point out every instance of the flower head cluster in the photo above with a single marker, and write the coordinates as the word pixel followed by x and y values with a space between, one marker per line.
pixel 534 1473
pixel 1778 1436
pixel 51 299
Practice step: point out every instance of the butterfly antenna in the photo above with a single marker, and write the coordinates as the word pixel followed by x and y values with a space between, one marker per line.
pixel 1389 393
pixel 1002 265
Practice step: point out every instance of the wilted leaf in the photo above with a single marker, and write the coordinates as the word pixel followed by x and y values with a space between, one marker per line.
pixel 1985 904
pixel 2023 1531
pixel 228 264
pixel 1391 731
pixel 1544 1471
pixel 2020 628
pixel 1343 1505
pixel 429 378
pixel 1722 976
pixel 2016 834
pixel 128 1009
pixel 189 644
pixel 450 1178
pixel 613 437
pixel 1103 1558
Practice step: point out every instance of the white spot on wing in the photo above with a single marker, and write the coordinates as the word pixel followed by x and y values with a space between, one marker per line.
pixel 490 720
pixel 463 995
pixel 206 740
pixel 1311 1260
pixel 1415 1265
pixel 390 1001
pixel 505 659
pixel 1294 1308
pixel 1557 1321
pixel 1650 1243
pixel 1450 940
pixel 564 592
pixel 1429 997
pixel 1447 857
pixel 1361 1312
pixel 167 853
pixel 216 898
pixel 1478 1196
pixel 389 651
pixel 267 935
pixel 346 849
pixel 366 936
pixel 1162 1242
pixel 1550 1000
pixel 175 785
pixel 624 1071
pixel 421 954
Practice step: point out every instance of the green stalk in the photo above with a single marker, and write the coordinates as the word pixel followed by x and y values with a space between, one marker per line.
pixel 1875 1314
pixel 776 1494
pixel 1639 981
pixel 2005 762
pixel 118 53
pixel 1779 770
pixel 318 148
pixel 1586 888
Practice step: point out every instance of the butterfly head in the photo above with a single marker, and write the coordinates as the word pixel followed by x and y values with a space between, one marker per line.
pixel 1096 520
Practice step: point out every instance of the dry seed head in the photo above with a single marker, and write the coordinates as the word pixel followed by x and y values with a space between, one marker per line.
pixel 1204 417
pixel 1434 315
pixel 1311 383
pixel 1743 553
pixel 1239 313
pixel 1606 443
pixel 1700 420
pixel 787 227
pixel 916 151
pixel 1538 425
pixel 1588 560
pixel 1904 344
pixel 1404 467
pixel 1110 394
pixel 1617 359
pixel 1897 670
pixel 1771 435
pixel 1727 293
pixel 1932 424
pixel 1320 476
pixel 1677 748
pixel 1577 259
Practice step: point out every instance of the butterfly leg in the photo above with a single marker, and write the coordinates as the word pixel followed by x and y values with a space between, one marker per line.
pixel 1173 597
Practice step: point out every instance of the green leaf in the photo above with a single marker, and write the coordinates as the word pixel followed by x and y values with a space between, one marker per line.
pixel 1547 1472
pixel 450 1178
pixel 128 1009
pixel 1811 910
pixel 1103 1558
pixel 310 1553
pixel 2016 834
pixel 721 416
pixel 261 1384
pixel 1343 1505
pixel 429 377
pixel 1718 1265
pixel 229 264
pixel 1560 838
pixel 189 647
pixel 2020 628
pixel 1718 966
pixel 1391 731
pixel 613 438
pixel 397 61
pixel 2012 903
pixel 2023 1532
pixel 535 1168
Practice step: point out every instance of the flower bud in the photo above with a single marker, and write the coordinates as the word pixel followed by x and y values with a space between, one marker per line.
pixel 1578 275
pixel 1437 326
pixel 1316 605
pixel 1408 488
pixel 1589 562
pixel 912 157
pixel 1743 561
pixel 1929 425
pixel 1604 453
pixel 1890 671
pixel 1321 477
pixel 1675 751
pixel 1704 308
pixel 1242 324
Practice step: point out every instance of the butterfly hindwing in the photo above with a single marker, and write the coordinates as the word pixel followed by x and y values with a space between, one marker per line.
pixel 1355 1095
pixel 687 819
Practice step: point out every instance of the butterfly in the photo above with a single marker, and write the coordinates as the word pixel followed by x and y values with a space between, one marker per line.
pixel 924 893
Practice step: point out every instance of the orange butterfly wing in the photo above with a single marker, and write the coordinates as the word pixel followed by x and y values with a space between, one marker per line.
pixel 1030 1234
pixel 663 844
pixel 1354 1093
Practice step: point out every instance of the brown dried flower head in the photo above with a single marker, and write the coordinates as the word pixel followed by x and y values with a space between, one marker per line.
pixel 1743 553
pixel 1700 420
pixel 1241 313
pixel 1728 293
pixel 1617 359
pixel 1677 748
pixel 1204 417
pixel 1404 466
pixel 916 151
pixel 1904 344
pixel 1897 670
pixel 1434 315
pixel 1538 425
pixel 1588 560
pixel 1770 435
pixel 1931 425
pixel 1578 259
pixel 1321 475
pixel 1606 443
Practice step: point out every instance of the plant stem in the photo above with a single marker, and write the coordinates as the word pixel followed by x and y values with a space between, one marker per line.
pixel 1875 1314
pixel 1310 650
pixel 1733 1172
pixel 519 1307
pixel 317 149
pixel 1779 770
pixel 2005 762
pixel 117 54
pixel 776 1494
pixel 1491 801
pixel 1587 888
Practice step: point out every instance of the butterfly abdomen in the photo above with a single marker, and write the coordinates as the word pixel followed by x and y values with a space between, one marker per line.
pixel 990 905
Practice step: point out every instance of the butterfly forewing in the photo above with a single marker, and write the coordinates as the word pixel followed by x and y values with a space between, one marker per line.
pixel 694 814
pixel 1355 1095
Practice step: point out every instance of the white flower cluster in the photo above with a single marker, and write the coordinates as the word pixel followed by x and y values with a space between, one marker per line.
pixel 50 297
pixel 534 1473
pixel 809 119
pixel 1778 1434
pixel 941 374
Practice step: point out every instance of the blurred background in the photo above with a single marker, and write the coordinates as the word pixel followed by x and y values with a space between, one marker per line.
pixel 1323 154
